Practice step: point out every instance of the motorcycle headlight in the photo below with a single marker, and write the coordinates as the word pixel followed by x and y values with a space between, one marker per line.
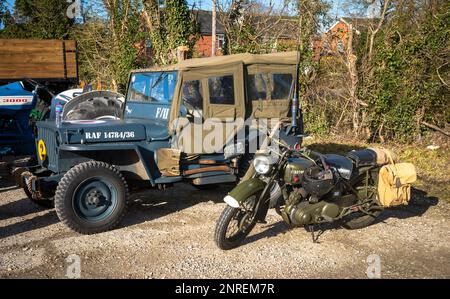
pixel 262 164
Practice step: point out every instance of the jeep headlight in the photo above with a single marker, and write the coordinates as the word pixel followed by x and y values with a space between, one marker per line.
pixel 262 164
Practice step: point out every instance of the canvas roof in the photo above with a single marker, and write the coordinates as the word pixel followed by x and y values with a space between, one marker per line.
pixel 280 58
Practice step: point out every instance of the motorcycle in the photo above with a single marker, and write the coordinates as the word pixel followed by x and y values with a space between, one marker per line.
pixel 305 187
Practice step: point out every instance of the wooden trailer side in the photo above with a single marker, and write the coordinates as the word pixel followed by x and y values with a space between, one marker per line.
pixel 41 60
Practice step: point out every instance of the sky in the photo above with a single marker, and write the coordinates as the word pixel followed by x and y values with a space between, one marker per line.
pixel 337 6
pixel 10 2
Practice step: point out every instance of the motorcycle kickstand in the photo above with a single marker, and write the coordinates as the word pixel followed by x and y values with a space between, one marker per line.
pixel 315 238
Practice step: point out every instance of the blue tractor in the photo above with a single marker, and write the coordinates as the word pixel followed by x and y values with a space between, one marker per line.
pixel 24 103
pixel 16 134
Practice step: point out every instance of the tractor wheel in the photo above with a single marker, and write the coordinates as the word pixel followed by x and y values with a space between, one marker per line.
pixel 45 203
pixel 91 198
pixel 37 198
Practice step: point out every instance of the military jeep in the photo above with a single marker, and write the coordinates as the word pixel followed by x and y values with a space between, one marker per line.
pixel 162 136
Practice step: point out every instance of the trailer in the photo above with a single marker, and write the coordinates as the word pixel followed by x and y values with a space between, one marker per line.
pixel 31 72
pixel 53 63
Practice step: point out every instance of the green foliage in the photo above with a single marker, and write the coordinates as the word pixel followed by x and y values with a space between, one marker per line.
pixel 180 27
pixel 109 48
pixel 407 62
pixel 169 27
pixel 241 35
pixel 316 120
pixel 42 19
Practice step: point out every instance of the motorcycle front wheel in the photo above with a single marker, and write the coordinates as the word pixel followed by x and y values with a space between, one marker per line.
pixel 235 224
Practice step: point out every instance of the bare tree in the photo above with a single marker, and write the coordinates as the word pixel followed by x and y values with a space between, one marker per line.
pixel 108 41
pixel 251 26
pixel 374 30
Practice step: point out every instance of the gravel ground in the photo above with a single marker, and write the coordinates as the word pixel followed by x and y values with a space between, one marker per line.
pixel 169 234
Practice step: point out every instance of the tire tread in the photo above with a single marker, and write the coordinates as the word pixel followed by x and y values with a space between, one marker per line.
pixel 64 185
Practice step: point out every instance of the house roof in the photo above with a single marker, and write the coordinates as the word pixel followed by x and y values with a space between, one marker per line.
pixel 280 58
pixel 281 26
pixel 358 23
pixel 204 19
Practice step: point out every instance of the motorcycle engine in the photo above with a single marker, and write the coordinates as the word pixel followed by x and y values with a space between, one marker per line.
pixel 303 208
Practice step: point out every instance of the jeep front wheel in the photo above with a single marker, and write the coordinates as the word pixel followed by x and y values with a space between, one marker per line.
pixel 91 198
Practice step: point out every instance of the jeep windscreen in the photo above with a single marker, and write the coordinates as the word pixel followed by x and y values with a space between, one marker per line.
pixel 150 95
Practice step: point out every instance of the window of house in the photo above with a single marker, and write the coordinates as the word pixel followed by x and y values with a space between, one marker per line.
pixel 192 94
pixel 281 86
pixel 220 41
pixel 340 46
pixel 257 87
pixel 221 90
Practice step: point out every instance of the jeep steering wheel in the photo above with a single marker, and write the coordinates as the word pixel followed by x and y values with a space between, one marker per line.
pixel 191 108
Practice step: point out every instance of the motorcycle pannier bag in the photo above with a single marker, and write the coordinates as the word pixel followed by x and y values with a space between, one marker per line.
pixel 394 183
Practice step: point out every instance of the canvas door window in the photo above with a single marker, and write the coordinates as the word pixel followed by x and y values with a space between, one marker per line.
pixel 268 89
pixel 190 121
pixel 226 106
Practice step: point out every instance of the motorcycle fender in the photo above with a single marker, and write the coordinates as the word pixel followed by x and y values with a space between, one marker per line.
pixel 242 191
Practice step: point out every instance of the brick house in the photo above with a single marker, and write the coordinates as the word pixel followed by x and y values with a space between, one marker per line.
pixel 204 44
pixel 281 30
pixel 335 40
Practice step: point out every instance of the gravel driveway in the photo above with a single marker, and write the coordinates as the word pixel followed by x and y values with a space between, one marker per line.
pixel 169 234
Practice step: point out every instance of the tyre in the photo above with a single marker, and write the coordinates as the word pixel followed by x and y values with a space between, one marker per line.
pixel 46 203
pixel 91 198
pixel 359 220
pixel 235 224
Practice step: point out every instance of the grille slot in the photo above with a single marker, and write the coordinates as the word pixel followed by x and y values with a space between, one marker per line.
pixel 49 138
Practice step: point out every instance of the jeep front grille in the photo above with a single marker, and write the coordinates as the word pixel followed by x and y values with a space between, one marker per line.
pixel 49 138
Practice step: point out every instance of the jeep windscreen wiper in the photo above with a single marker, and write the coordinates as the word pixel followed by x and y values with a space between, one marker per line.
pixel 162 76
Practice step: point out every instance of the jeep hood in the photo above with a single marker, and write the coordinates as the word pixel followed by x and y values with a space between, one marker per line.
pixel 97 131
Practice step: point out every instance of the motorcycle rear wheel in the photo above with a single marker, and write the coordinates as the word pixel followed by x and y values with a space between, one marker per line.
pixel 359 220
pixel 240 215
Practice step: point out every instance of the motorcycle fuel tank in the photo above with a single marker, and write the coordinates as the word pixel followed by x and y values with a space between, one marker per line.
pixel 293 172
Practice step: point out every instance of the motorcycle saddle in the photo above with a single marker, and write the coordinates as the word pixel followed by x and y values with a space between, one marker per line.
pixel 363 157
pixel 341 164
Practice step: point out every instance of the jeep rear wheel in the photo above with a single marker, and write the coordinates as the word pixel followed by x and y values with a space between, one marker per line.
pixel 91 198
